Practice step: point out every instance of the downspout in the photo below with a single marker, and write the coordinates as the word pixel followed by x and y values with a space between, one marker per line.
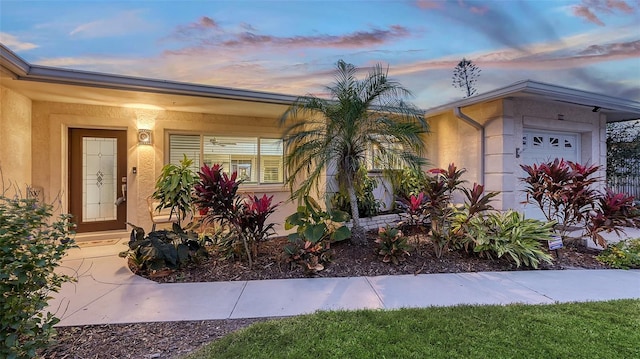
pixel 458 112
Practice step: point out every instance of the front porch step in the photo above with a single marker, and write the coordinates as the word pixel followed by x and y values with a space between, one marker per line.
pixel 104 235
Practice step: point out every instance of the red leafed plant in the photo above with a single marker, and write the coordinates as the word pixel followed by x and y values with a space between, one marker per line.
pixel 253 218
pixel 565 193
pixel 218 199
pixel 614 211
pixel 434 204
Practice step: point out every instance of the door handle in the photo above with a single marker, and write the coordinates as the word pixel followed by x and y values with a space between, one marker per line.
pixel 123 192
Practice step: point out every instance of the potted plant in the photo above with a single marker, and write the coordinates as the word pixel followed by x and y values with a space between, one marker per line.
pixel 174 189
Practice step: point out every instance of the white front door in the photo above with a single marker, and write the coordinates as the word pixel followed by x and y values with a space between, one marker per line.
pixel 542 146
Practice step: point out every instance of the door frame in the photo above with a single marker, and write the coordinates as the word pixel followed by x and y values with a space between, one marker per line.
pixel 75 204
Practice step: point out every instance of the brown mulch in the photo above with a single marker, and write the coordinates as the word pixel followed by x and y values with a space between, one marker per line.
pixel 349 260
pixel 175 339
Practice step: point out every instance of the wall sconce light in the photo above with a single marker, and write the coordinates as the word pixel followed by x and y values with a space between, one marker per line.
pixel 144 137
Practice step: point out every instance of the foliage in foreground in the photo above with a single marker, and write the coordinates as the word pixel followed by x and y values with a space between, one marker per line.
pixel 624 254
pixel 32 244
pixel 315 231
pixel 573 330
pixel 163 249
pixel 509 235
pixel 433 207
pixel 392 245
pixel 173 188
pixel 563 190
pixel 216 195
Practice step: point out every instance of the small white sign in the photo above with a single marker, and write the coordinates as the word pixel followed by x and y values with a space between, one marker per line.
pixel 555 243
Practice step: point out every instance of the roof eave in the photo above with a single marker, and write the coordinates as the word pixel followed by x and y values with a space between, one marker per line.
pixel 19 69
pixel 625 109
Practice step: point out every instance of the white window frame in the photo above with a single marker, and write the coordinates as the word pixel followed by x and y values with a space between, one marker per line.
pixel 257 163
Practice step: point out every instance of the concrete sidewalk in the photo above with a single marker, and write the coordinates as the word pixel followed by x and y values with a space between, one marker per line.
pixel 107 292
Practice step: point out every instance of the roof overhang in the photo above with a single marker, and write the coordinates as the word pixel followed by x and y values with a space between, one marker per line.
pixel 615 108
pixel 65 85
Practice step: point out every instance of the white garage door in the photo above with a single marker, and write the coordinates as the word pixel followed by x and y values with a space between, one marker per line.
pixel 542 146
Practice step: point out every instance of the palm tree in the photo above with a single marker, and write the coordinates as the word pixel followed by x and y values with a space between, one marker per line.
pixel 360 116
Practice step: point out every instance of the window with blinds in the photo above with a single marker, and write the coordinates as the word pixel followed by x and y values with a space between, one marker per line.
pixel 256 160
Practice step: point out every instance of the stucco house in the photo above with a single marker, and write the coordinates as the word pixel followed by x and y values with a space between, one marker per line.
pixel 82 136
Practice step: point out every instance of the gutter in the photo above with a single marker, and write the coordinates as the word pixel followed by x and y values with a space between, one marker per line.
pixel 459 114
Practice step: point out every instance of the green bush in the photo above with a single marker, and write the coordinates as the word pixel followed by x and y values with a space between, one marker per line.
pixel 392 245
pixel 174 188
pixel 624 254
pixel 315 230
pixel 31 247
pixel 509 234
pixel 368 205
pixel 406 182
pixel 163 249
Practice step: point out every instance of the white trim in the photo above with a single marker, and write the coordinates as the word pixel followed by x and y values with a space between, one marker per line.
pixel 615 108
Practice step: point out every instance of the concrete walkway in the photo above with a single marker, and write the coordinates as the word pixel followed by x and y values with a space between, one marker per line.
pixel 107 292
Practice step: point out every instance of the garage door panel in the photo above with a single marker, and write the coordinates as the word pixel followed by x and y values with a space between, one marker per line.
pixel 542 146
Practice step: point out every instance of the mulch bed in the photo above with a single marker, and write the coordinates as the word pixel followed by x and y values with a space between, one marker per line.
pixel 349 260
pixel 175 339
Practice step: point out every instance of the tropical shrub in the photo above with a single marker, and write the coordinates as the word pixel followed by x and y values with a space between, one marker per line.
pixel 509 235
pixel 439 188
pixel 310 256
pixel 32 243
pixel 340 131
pixel 446 219
pixel 391 245
pixel 413 212
pixel 477 203
pixel 251 220
pixel 624 254
pixel 163 249
pixel 368 205
pixel 216 195
pixel 174 188
pixel 613 212
pixel 407 182
pixel 315 230
pixel 563 190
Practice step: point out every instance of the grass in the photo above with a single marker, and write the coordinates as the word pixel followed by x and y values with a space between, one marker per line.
pixel 575 330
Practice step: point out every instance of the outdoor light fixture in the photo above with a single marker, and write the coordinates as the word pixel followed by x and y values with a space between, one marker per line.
pixel 144 137
pixel 595 109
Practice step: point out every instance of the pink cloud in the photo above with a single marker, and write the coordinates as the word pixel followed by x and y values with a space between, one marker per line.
pixel 591 9
pixel 429 4
pixel 203 25
pixel 584 12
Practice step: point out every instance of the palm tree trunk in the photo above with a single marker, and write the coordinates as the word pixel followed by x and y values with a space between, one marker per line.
pixel 358 234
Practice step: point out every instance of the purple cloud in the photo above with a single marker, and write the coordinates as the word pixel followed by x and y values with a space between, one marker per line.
pixel 356 39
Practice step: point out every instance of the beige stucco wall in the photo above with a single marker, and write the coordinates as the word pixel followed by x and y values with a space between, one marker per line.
pixel 52 121
pixel 504 121
pixel 15 140
pixel 453 140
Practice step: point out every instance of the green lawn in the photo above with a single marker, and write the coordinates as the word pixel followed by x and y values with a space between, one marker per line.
pixel 576 330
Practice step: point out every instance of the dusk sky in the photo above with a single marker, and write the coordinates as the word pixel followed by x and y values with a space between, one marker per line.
pixel 291 47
